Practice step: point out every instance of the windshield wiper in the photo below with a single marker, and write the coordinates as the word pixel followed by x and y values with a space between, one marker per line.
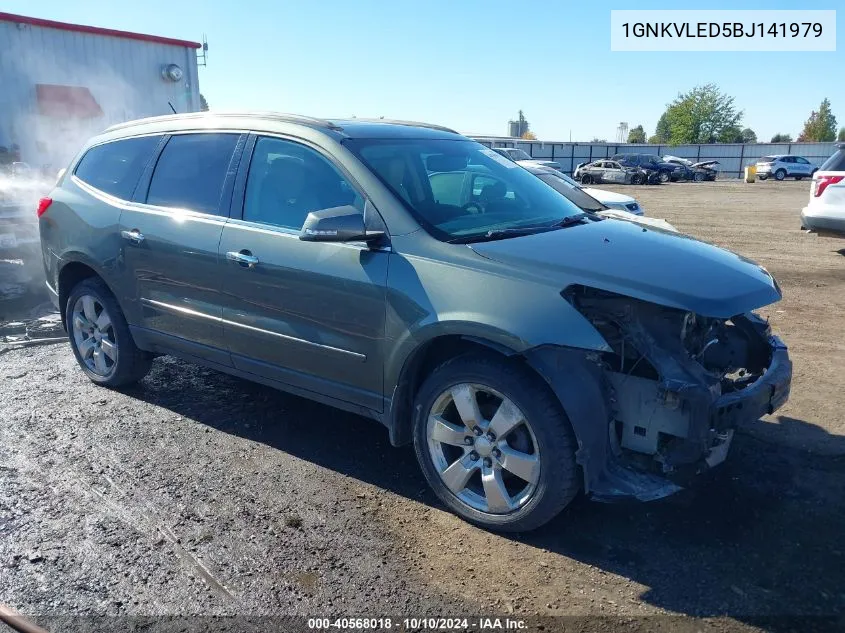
pixel 500 234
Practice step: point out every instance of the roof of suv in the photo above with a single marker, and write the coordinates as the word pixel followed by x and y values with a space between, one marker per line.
pixel 348 128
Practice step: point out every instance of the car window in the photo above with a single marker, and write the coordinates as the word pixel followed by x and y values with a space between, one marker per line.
pixel 446 187
pixel 768 159
pixel 835 162
pixel 787 159
pixel 512 198
pixel 116 167
pixel 612 165
pixel 287 181
pixel 191 171
pixel 803 161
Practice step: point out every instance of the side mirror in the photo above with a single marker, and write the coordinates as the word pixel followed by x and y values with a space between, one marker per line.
pixel 338 224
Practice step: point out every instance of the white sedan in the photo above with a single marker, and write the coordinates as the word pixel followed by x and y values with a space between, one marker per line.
pixel 610 199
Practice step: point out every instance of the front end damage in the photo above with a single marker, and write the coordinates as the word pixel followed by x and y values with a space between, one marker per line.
pixel 667 396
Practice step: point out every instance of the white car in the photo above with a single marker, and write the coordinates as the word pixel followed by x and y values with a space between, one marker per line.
pixel 781 166
pixel 825 213
pixel 610 199
pixel 521 157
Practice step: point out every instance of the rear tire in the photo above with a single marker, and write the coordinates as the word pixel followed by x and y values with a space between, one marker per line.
pixel 663 177
pixel 799 177
pixel 100 337
pixel 518 470
pixel 763 177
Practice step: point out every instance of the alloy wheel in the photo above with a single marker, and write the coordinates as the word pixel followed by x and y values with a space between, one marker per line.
pixel 93 335
pixel 483 448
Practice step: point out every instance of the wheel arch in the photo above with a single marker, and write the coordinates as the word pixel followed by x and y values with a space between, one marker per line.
pixel 74 269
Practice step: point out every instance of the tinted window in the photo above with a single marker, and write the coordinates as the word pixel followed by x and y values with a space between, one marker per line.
pixel 803 161
pixel 191 170
pixel 835 162
pixel 287 181
pixel 116 167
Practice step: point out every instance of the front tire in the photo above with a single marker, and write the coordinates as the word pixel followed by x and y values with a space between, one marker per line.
pixel 494 443
pixel 698 177
pixel 586 179
pixel 100 337
pixel 780 174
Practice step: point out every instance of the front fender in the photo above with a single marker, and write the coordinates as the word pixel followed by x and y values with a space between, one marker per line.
pixel 428 298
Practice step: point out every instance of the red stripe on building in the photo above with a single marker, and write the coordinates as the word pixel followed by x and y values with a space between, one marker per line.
pixel 94 30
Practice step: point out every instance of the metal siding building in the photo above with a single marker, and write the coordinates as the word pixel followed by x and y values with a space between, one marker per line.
pixel 61 83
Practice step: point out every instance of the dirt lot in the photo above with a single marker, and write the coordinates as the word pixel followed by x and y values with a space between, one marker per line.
pixel 197 493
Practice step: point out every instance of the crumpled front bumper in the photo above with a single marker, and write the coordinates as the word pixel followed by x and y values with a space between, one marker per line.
pixel 609 472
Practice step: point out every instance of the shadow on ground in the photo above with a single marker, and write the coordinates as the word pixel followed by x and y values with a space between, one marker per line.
pixel 763 536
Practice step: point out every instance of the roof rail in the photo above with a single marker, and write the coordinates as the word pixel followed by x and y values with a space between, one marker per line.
pixel 430 126
pixel 276 116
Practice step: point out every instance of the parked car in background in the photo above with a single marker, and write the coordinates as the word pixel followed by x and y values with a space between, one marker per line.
pixel 610 171
pixel 587 197
pixel 527 349
pixel 650 162
pixel 697 172
pixel 780 166
pixel 825 213
pixel 521 157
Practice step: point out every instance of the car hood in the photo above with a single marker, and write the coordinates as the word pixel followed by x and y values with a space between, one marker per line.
pixel 536 162
pixel 608 196
pixel 650 264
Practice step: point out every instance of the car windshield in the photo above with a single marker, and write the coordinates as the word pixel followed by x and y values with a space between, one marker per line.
pixel 459 188
pixel 518 154
pixel 572 192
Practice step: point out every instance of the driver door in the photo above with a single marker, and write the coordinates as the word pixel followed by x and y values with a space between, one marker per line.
pixel 307 314
pixel 614 172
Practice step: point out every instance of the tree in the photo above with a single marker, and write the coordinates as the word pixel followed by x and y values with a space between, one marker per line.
pixel 821 126
pixel 654 140
pixel 700 116
pixel 528 135
pixel 841 135
pixel 662 131
pixel 731 134
pixel 637 135
pixel 596 139
pixel 749 135
pixel 203 103
pixel 782 138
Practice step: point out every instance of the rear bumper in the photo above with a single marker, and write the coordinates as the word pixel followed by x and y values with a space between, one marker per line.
pixel 824 220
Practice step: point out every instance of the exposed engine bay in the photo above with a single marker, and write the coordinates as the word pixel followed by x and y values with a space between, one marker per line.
pixel 677 382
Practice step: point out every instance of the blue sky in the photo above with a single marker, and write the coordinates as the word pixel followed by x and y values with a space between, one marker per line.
pixel 469 64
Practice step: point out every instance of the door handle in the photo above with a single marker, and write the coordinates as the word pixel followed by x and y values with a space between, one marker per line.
pixel 134 236
pixel 244 258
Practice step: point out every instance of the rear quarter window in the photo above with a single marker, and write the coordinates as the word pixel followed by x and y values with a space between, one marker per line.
pixel 116 167
pixel 191 171
pixel 835 162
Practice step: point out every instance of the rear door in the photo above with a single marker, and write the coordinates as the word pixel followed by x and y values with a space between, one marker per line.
pixel 613 172
pixel 170 239
pixel 307 314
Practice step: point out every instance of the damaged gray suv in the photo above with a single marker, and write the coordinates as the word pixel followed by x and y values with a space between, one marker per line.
pixel 529 350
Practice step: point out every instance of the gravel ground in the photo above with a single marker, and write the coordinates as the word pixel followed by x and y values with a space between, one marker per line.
pixel 195 493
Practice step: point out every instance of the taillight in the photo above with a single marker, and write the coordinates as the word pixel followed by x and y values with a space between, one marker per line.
pixel 822 183
pixel 43 205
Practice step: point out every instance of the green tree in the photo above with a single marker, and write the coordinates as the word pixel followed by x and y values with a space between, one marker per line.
pixel 596 139
pixel 782 138
pixel 841 135
pixel 701 116
pixel 821 126
pixel 749 135
pixel 637 135
pixel 203 103
pixel 731 134
pixel 662 132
